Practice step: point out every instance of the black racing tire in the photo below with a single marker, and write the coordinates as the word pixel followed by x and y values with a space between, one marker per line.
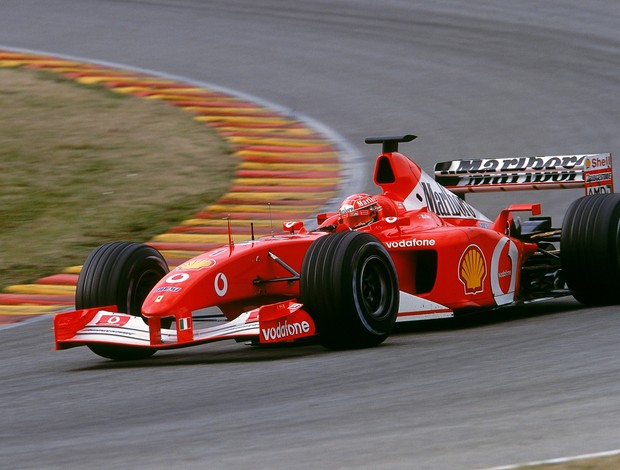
pixel 120 274
pixel 348 284
pixel 590 251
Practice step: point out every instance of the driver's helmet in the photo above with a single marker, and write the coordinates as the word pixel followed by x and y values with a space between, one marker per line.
pixel 359 210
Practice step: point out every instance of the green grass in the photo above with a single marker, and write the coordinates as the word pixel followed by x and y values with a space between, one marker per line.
pixel 82 165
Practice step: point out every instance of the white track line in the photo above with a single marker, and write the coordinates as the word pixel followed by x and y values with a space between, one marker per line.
pixel 608 453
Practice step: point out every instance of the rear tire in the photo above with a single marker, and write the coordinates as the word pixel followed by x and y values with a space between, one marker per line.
pixel 590 249
pixel 348 284
pixel 120 274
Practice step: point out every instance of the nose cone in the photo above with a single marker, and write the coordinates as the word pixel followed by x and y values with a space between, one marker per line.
pixel 160 306
pixel 166 298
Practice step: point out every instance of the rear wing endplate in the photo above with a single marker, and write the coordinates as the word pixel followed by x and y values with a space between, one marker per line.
pixel 592 172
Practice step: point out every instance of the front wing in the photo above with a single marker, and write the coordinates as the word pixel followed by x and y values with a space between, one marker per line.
pixel 281 322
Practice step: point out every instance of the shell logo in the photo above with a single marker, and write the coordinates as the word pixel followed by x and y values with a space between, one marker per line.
pixel 195 264
pixel 472 269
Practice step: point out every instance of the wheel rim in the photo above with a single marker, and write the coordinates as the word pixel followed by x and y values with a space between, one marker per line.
pixel 375 288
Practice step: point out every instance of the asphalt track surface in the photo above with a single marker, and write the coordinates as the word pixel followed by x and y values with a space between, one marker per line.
pixel 471 78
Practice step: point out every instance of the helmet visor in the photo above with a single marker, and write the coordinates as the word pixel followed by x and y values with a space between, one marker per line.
pixel 354 219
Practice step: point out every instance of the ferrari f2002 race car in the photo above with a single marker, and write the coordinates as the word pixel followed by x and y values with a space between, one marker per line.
pixel 415 251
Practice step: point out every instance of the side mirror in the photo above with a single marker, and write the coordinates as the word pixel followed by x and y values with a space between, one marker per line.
pixel 292 227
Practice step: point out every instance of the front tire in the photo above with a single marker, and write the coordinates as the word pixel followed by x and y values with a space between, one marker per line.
pixel 121 274
pixel 590 249
pixel 348 284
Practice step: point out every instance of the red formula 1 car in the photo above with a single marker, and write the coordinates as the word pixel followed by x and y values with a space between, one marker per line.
pixel 415 251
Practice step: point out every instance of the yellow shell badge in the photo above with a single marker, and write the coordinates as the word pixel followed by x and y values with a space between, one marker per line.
pixel 472 269
pixel 196 264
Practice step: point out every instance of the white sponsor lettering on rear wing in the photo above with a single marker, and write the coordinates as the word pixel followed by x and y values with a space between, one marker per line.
pixel 592 172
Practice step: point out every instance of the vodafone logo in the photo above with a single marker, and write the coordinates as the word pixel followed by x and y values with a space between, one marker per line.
pixel 410 243
pixel 221 284
pixel 177 278
pixel 112 320
pixel 285 330
pixel 504 271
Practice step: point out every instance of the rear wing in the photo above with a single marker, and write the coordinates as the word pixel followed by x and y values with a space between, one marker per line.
pixel 592 172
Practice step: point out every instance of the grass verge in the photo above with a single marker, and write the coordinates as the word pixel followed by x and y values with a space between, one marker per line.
pixel 82 165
